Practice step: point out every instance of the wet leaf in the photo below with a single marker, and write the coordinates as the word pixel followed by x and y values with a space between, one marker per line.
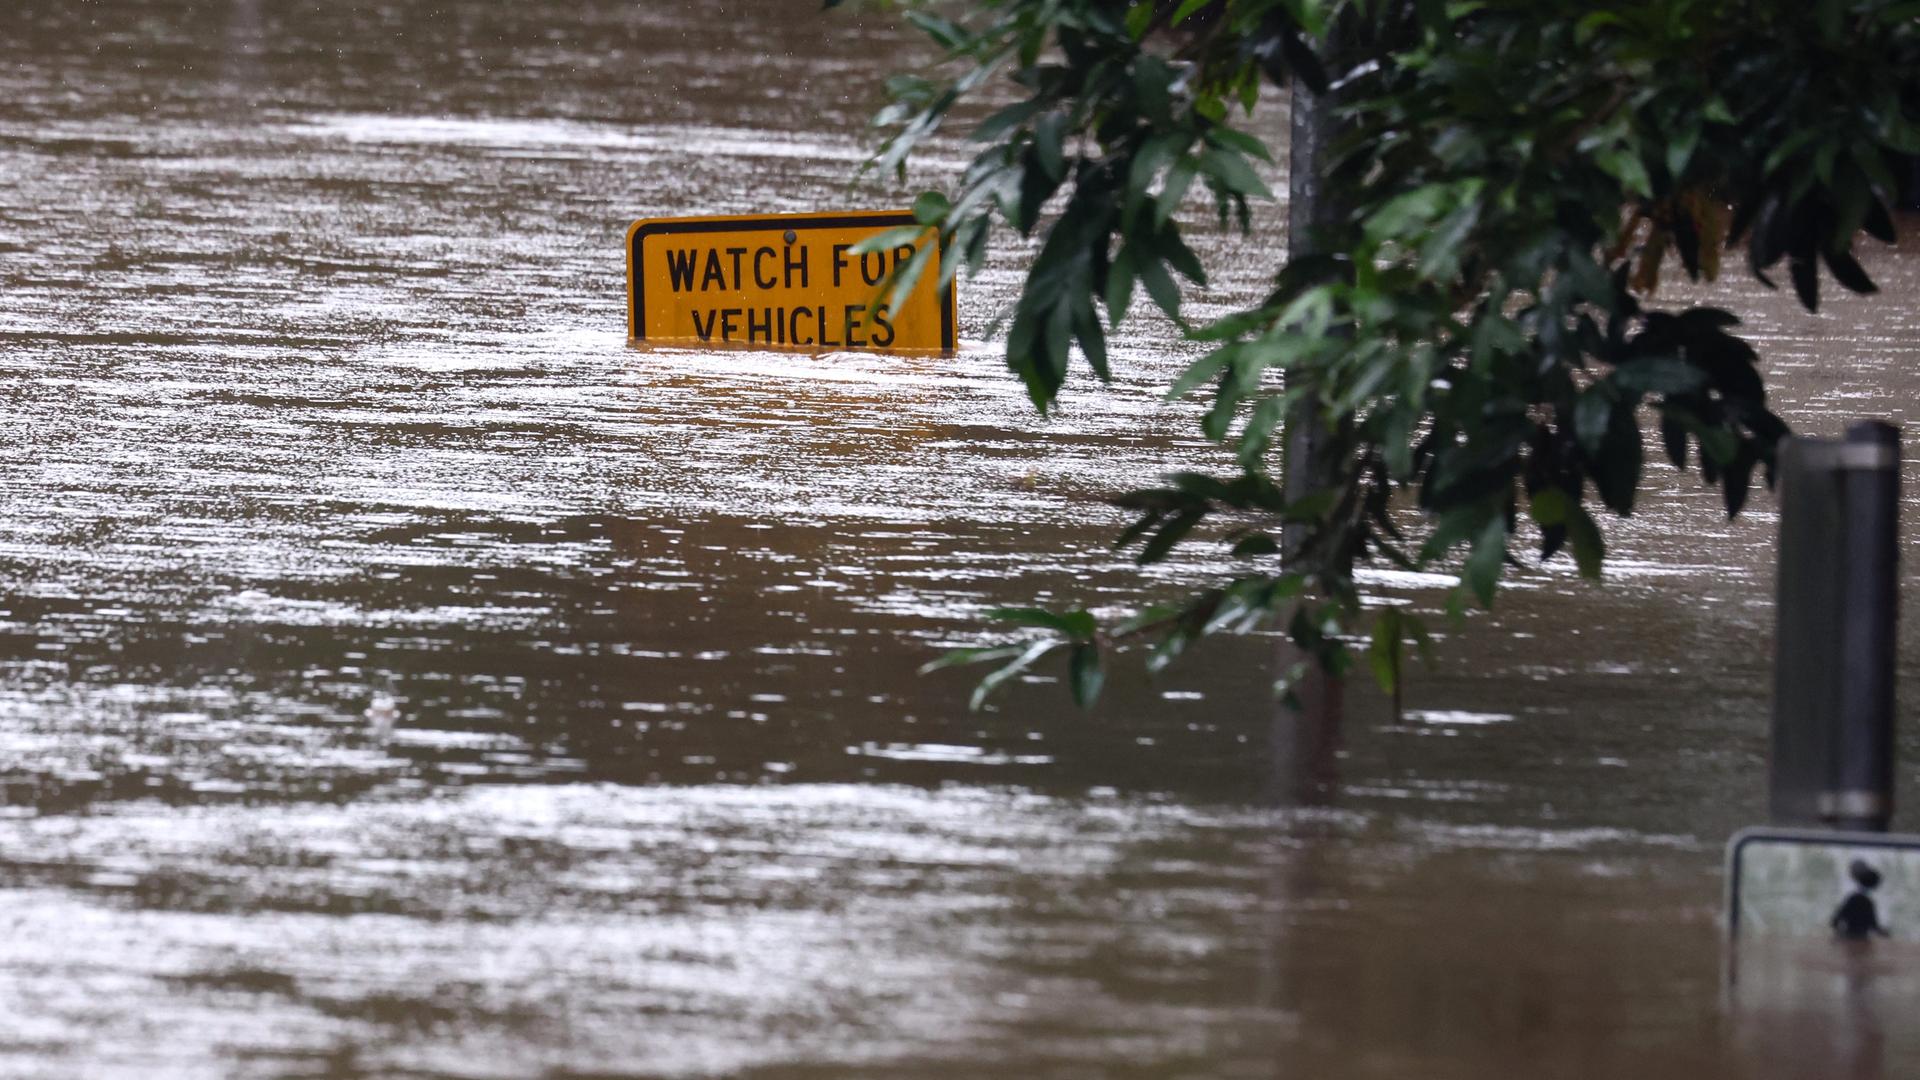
pixel 1849 273
pixel 1589 550
pixel 1153 274
pixel 1085 674
pixel 963 657
pixel 931 208
pixel 1019 664
pixel 1179 178
pixel 1549 506
pixel 947 33
pixel 1120 275
pixel 1488 555
pixel 1170 533
pixel 1658 375
pixel 888 239
pixel 1048 136
pixel 1383 649
pixel 1232 170
pixel 1465 315
pixel 1239 142
pixel 1074 624
pixel 1093 341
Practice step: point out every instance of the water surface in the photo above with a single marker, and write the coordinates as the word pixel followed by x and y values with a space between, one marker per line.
pixel 318 400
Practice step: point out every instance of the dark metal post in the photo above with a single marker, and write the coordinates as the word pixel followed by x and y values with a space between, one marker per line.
pixel 1832 761
pixel 1804 634
pixel 1860 795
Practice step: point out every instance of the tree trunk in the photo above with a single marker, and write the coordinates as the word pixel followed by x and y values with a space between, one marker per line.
pixel 1306 731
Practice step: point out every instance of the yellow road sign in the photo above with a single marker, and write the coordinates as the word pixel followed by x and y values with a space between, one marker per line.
pixel 783 281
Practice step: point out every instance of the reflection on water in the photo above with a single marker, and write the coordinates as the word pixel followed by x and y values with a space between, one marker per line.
pixel 1825 1008
pixel 400 675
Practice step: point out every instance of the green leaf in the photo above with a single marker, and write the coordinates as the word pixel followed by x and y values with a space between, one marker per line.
pixel 1257 437
pixel 1442 250
pixel 946 33
pixel 1160 286
pixel 1312 506
pixel 1789 146
pixel 888 239
pixel 1234 173
pixel 1454 525
pixel 912 88
pixel 1239 141
pixel 1085 674
pixel 1256 545
pixel 1591 24
pixel 1202 371
pixel 909 275
pixel 1673 436
pixel 1659 375
pixel 1074 624
pixel 1589 550
pixel 1680 150
pixel 1120 274
pixel 1153 89
pixel 1238 324
pixel 1174 192
pixel 931 208
pixel 1625 166
pixel 1188 7
pixel 1013 668
pixel 1048 136
pixel 1717 443
pixel 1485 560
pixel 1059 334
pixel 1153 155
pixel 1416 629
pixel 1093 343
pixel 1615 468
pixel 977 246
pixel 1591 413
pixel 962 657
pixel 1383 649
pixel 1008 119
pixel 1179 256
pixel 1848 271
pixel 1409 213
pixel 1549 507
pixel 1172 532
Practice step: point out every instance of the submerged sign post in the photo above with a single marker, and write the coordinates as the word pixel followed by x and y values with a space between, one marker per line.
pixel 786 281
pixel 1815 885
pixel 1823 966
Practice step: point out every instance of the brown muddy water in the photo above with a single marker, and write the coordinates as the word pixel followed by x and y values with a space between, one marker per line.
pixel 400 676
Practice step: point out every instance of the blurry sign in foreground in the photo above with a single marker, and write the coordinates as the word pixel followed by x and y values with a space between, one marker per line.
pixel 1804 884
pixel 1822 973
pixel 787 281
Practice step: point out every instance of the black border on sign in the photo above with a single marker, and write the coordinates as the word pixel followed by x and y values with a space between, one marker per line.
pixel 1762 834
pixel 668 226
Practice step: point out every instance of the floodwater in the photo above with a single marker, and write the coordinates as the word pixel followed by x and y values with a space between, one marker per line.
pixel 401 676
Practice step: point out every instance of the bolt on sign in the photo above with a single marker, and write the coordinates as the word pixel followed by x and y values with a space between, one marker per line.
pixel 864 281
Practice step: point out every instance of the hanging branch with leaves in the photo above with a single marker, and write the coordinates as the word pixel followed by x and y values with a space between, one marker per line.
pixel 1481 333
